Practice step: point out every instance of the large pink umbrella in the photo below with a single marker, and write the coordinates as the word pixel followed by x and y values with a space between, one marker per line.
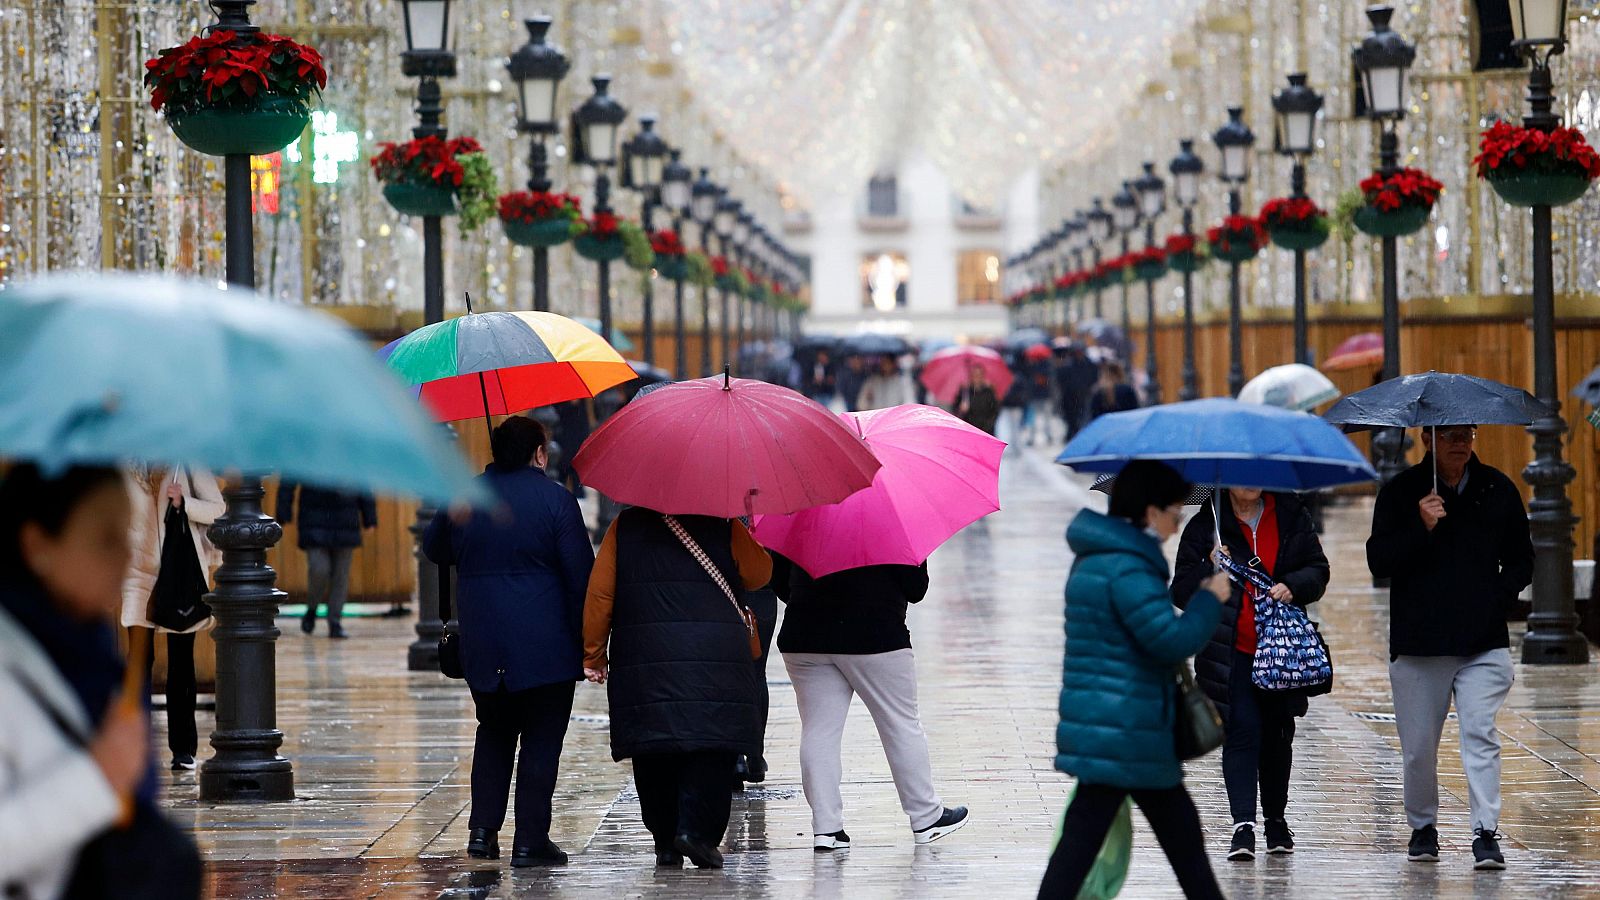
pixel 725 447
pixel 948 370
pixel 939 475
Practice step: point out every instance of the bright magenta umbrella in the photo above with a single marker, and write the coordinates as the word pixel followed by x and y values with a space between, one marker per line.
pixel 725 447
pixel 948 370
pixel 939 475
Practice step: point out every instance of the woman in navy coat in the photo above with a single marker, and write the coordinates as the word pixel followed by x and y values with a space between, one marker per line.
pixel 522 569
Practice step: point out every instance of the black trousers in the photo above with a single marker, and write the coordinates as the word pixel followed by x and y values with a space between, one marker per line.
pixel 1172 817
pixel 684 793
pixel 183 738
pixel 539 717
pixel 1257 748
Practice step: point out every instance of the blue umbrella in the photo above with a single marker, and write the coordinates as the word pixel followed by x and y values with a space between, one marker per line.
pixel 113 368
pixel 1222 441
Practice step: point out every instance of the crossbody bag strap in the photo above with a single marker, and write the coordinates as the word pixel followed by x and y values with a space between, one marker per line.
pixel 699 553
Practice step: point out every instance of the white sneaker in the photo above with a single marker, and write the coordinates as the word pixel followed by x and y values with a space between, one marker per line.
pixel 824 843
pixel 952 820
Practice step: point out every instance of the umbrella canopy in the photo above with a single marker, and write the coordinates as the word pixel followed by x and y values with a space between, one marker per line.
pixel 939 475
pixel 725 447
pixel 1295 386
pixel 947 371
pixel 1038 352
pixel 1435 399
pixel 1198 493
pixel 618 338
pixel 1026 337
pixel 649 374
pixel 1223 441
pixel 1356 352
pixel 499 363
pixel 112 368
pixel 1106 335
pixel 930 346
pixel 1589 388
pixel 875 345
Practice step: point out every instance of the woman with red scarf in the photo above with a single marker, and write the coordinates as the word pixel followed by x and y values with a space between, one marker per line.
pixel 1272 533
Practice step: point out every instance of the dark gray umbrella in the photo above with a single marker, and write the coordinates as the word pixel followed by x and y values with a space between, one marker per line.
pixel 1588 390
pixel 1024 338
pixel 876 345
pixel 1436 400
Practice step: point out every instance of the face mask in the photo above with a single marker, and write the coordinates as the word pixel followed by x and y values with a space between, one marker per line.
pixel 1154 534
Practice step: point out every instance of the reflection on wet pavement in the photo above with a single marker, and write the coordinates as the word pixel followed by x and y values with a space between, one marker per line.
pixel 382 763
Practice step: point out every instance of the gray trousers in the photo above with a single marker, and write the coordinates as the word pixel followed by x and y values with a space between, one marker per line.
pixel 824 683
pixel 1423 687
pixel 327 580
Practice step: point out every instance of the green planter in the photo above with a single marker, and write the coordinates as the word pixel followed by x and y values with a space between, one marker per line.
pixel 599 249
pixel 412 199
pixel 1300 238
pixel 1539 188
pixel 538 233
pixel 673 267
pixel 1399 223
pixel 1240 251
pixel 1150 271
pixel 271 125
pixel 1189 261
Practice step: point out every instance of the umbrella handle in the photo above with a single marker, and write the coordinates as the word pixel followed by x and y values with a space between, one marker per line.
pixel 488 425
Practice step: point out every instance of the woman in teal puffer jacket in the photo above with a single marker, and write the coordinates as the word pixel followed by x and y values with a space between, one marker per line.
pixel 1119 692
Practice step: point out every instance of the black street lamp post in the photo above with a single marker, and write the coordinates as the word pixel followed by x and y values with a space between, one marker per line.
pixel 1296 107
pixel 1100 228
pixel 723 223
pixel 1235 140
pixel 246 766
pixel 594 126
pixel 427 58
pixel 742 228
pixel 1381 61
pixel 1152 203
pixel 537 69
pixel 675 196
pixel 645 158
pixel 1186 169
pixel 703 206
pixel 1540 30
pixel 1125 216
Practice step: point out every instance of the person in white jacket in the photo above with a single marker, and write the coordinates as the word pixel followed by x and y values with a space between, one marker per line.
pixel 63 556
pixel 197 494
pixel 886 387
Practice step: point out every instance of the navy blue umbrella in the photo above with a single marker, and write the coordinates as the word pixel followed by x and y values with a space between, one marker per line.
pixel 1223 442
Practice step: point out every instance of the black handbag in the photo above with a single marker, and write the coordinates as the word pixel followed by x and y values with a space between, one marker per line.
pixel 177 601
pixel 450 638
pixel 1197 729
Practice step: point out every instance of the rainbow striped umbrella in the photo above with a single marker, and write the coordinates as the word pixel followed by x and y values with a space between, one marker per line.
pixel 499 363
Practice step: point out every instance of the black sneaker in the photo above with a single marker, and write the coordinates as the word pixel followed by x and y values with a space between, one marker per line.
pixel 1486 851
pixel 336 631
pixel 823 843
pixel 952 820
pixel 1279 838
pixel 183 764
pixel 1243 848
pixel 308 622
pixel 1424 845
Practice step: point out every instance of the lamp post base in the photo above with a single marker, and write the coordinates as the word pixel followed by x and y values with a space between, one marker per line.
pixel 250 772
pixel 1561 644
pixel 423 653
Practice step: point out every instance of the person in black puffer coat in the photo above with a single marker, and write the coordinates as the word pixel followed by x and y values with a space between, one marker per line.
pixel 1258 747
pixel 331 523
pixel 675 656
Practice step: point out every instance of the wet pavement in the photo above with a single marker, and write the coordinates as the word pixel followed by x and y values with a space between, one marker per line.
pixel 382 760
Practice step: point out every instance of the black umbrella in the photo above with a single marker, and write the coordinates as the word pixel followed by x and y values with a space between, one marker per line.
pixel 1588 390
pixel 876 345
pixel 1435 400
pixel 1198 493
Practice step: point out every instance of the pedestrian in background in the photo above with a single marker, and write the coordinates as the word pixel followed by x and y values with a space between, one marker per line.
pixel 1112 393
pixel 845 635
pixel 1075 378
pixel 851 380
pixel 1274 533
pixel 977 404
pixel 1119 691
pixel 331 523
pixel 198 496
pixel 665 634
pixel 1457 555
pixel 818 381
pixel 887 386
pixel 521 569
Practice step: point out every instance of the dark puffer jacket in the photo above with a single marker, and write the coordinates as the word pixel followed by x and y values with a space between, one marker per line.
pixel 681 677
pixel 330 519
pixel 1301 565
pixel 1119 690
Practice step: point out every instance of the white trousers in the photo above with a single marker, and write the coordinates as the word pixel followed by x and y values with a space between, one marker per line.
pixel 1423 687
pixel 824 683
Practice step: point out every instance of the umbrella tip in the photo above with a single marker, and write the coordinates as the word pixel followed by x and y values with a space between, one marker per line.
pixel 727 377
pixel 468 295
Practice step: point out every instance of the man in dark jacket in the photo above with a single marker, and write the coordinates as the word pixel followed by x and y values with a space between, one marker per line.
pixel 1075 377
pixel 1274 530
pixel 330 529
pixel 1458 555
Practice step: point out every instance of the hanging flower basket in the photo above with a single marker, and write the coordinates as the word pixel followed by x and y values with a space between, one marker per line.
pixel 539 218
pixel 1186 253
pixel 1295 223
pixel 432 176
pixel 675 268
pixel 1397 203
pixel 229 93
pixel 1149 264
pixel 599 248
pixel 669 254
pixel 1529 167
pixel 1237 240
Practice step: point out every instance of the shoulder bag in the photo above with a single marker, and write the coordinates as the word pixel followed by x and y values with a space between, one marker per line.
pixel 177 600
pixel 1197 727
pixel 699 553
pixel 450 636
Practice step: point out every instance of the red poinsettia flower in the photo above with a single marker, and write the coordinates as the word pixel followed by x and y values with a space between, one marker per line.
pixel 719 266
pixel 1507 149
pixel 429 159
pixel 1402 187
pixel 232 70
pixel 1290 212
pixel 665 242
pixel 1237 230
pixel 528 207
pixel 603 224
pixel 1180 243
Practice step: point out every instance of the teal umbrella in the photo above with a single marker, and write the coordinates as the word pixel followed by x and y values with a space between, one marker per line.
pixel 111 368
